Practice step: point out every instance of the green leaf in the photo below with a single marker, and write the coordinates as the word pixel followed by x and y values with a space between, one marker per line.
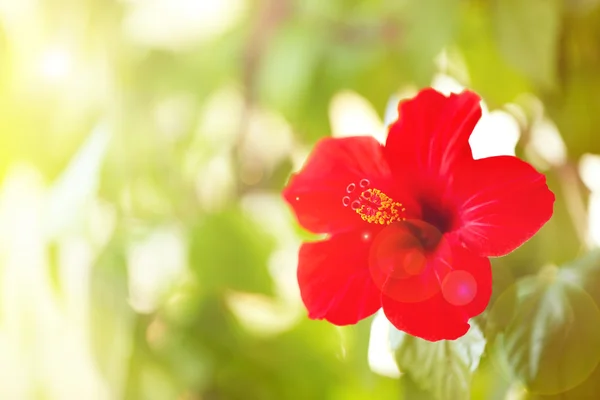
pixel 78 183
pixel 503 278
pixel 487 383
pixel 483 59
pixel 412 391
pixel 574 109
pixel 430 26
pixel 444 368
pixel 527 35
pixel 112 319
pixel 286 71
pixel 589 389
pixel 545 332
pixel 230 251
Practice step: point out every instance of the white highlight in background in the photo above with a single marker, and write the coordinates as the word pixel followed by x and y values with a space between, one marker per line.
pixel 154 264
pixel 380 355
pixel 350 114
pixel 446 84
pixel 547 143
pixel 262 315
pixel 177 23
pixel 497 132
pixel 56 64
pixel 40 328
pixel 74 191
pixel 589 170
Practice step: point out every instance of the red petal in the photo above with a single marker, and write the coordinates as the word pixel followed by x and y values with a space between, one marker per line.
pixel 403 265
pixel 502 202
pixel 431 134
pixel 465 293
pixel 335 283
pixel 316 193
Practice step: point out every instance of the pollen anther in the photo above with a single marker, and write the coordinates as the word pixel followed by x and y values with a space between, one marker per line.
pixel 377 207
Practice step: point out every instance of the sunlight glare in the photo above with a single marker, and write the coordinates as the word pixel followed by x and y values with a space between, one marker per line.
pixel 41 327
pixel 56 64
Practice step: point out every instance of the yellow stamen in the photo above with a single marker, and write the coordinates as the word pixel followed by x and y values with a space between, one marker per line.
pixel 378 208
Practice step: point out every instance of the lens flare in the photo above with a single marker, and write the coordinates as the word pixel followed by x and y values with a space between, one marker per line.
pixel 401 260
pixel 459 288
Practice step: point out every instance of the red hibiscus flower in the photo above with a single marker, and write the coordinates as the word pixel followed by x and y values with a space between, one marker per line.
pixel 411 223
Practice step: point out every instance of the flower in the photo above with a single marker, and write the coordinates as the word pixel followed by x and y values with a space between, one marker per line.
pixel 411 223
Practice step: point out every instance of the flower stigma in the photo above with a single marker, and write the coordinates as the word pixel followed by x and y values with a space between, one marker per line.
pixel 372 204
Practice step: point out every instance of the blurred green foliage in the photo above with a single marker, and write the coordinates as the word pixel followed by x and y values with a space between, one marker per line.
pixel 206 108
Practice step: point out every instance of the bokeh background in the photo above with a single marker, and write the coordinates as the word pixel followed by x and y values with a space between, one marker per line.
pixel 145 251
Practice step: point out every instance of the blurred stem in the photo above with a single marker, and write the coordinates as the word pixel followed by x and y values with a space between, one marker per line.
pixel 268 19
pixel 574 199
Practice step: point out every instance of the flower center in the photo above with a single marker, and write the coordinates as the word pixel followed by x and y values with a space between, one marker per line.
pixel 438 215
pixel 378 208
pixel 373 205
